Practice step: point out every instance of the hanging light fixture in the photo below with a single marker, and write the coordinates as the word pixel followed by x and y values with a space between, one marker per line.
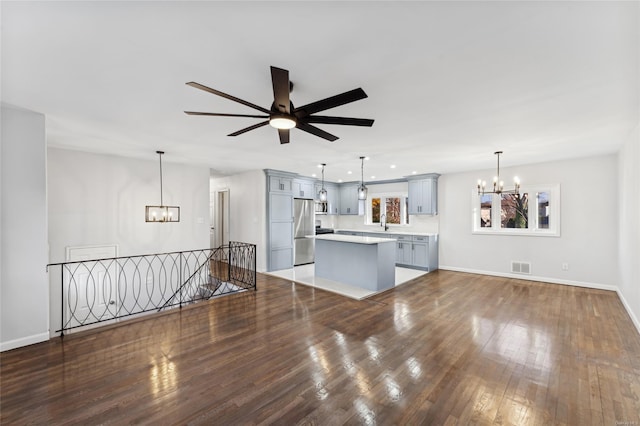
pixel 362 190
pixel 498 185
pixel 162 213
pixel 323 192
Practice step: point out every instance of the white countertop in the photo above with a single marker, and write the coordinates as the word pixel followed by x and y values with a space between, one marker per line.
pixel 351 239
pixel 389 232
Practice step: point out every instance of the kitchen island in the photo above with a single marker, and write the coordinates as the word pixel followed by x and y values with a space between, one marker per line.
pixel 365 262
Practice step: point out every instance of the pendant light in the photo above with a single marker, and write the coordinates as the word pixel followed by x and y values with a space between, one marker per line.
pixel 323 192
pixel 498 185
pixel 162 213
pixel 362 190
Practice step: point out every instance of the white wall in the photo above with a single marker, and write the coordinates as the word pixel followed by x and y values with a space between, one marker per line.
pixel 589 225
pixel 99 199
pixel 24 290
pixel 629 233
pixel 247 205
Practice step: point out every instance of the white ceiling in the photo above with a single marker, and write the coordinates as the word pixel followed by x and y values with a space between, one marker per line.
pixel 449 83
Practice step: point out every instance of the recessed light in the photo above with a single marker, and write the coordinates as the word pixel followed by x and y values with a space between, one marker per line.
pixel 339 180
pixel 413 172
pixel 313 175
pixel 349 172
pixel 319 166
pixel 366 158
pixel 373 177
pixel 393 166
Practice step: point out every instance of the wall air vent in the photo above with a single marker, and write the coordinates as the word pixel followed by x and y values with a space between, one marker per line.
pixel 520 267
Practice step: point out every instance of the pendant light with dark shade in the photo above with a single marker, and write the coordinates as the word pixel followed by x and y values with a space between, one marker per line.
pixel 322 195
pixel 362 190
pixel 162 213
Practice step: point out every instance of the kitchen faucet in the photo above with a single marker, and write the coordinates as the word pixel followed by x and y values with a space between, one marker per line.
pixel 383 222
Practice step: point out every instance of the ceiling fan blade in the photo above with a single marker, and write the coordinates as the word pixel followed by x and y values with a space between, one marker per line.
pixel 284 135
pixel 315 131
pixel 280 81
pixel 215 114
pixel 224 95
pixel 332 102
pixel 345 121
pixel 246 129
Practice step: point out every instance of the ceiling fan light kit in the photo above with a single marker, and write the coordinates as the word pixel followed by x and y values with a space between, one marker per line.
pixel 284 116
pixel 282 122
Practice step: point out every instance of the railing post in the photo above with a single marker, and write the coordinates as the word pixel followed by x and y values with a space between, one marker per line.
pixel 181 280
pixel 229 264
pixel 62 301
pixel 255 276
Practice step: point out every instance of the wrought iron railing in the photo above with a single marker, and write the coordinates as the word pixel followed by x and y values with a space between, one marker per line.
pixel 101 290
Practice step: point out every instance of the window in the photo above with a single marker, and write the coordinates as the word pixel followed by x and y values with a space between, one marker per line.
pixel 395 209
pixel 535 211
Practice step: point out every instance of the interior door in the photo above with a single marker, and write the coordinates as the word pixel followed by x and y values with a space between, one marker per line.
pixel 221 220
pixel 90 288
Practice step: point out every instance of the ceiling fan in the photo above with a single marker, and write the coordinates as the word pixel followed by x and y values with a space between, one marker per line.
pixel 284 116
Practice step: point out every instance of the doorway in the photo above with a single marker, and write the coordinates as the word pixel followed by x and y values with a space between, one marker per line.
pixel 220 218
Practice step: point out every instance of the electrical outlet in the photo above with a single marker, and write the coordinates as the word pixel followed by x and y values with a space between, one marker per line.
pixel 565 266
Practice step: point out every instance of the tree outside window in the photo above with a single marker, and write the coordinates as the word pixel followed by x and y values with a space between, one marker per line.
pixel 392 207
pixel 514 211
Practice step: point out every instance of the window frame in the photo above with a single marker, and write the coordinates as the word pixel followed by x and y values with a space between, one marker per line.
pixel 383 199
pixel 532 213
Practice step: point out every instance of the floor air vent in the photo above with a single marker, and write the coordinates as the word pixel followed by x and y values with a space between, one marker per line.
pixel 520 267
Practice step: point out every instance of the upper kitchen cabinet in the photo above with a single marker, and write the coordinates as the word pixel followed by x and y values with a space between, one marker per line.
pixel 333 197
pixel 349 203
pixel 423 194
pixel 280 183
pixel 303 189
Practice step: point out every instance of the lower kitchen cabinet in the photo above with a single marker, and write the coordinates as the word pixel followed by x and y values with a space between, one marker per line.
pixel 420 255
pixel 403 253
pixel 412 251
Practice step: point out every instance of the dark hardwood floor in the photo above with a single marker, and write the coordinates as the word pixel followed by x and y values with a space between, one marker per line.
pixel 446 348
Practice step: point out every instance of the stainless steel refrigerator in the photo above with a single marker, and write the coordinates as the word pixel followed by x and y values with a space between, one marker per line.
pixel 303 224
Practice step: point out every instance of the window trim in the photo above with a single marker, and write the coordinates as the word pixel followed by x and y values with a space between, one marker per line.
pixel 533 230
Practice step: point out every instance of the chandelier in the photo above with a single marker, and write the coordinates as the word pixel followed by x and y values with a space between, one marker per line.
pixel 498 185
pixel 162 213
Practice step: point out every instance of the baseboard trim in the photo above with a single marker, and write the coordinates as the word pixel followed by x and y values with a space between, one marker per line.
pixel 626 305
pixel 533 278
pixel 24 341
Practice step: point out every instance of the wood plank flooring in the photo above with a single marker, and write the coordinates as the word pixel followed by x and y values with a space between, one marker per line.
pixel 447 348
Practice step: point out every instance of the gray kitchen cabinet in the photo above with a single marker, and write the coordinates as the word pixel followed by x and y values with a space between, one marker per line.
pixel 420 254
pixel 303 189
pixel 403 253
pixel 418 251
pixel 280 184
pixel 279 220
pixel 412 251
pixel 423 194
pixel 333 197
pixel 349 203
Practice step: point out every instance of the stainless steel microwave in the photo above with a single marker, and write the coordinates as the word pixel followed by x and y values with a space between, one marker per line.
pixel 321 207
